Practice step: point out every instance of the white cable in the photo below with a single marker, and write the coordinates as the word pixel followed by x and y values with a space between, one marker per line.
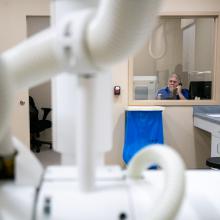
pixel 173 166
pixel 162 43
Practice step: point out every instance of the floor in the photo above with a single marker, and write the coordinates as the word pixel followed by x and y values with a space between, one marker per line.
pixel 48 157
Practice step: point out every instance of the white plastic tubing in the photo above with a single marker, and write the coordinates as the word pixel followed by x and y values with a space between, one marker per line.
pixel 174 184
pixel 34 60
pixel 119 28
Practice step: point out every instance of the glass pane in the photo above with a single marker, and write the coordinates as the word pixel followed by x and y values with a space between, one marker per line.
pixel 180 46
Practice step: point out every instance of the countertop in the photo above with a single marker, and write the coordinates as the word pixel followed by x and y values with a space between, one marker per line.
pixel 205 112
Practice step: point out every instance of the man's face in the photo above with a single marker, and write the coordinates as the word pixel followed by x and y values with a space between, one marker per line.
pixel 173 83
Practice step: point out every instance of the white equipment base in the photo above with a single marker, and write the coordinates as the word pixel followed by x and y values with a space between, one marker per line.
pixel 116 197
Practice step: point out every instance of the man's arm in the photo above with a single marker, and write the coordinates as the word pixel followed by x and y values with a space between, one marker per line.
pixel 179 93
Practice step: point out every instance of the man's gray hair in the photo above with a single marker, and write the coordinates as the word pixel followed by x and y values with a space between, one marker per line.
pixel 177 76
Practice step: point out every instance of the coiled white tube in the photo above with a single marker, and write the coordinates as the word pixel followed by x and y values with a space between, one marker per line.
pixel 174 186
pixel 34 61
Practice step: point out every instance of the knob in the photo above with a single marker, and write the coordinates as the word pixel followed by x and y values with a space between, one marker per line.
pixel 22 102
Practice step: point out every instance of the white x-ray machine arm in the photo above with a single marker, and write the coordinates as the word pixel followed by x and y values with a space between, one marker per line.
pixel 85 40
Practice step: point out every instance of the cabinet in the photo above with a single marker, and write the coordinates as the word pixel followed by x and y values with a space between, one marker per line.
pixel 211 125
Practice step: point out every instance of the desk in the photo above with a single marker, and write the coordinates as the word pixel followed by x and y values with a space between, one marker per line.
pixel 212 125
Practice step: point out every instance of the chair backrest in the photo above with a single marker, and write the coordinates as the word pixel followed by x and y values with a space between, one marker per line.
pixel 33 111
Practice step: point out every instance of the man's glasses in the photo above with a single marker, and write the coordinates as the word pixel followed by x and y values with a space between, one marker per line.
pixel 172 81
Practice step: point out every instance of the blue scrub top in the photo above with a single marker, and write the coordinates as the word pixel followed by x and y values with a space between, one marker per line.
pixel 165 93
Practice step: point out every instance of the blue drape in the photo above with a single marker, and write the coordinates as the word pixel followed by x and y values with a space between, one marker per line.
pixel 142 128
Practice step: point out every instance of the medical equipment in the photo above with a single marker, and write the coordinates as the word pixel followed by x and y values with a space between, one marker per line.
pixel 86 43
pixel 145 87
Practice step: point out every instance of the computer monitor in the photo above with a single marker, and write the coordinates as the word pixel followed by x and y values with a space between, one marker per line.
pixel 200 89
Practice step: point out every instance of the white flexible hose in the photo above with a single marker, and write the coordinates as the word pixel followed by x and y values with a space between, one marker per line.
pixel 34 61
pixel 173 166
pixel 119 28
pixel 162 44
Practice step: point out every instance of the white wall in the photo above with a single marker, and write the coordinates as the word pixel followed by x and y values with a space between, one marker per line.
pixel 189 48
pixel 120 77
pixel 205 36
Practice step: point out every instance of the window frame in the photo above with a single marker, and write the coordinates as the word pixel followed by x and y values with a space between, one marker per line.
pixel 216 68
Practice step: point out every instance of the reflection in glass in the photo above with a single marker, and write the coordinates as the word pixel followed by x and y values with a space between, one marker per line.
pixel 184 46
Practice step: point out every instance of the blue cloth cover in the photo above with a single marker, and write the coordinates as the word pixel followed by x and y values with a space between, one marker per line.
pixel 142 128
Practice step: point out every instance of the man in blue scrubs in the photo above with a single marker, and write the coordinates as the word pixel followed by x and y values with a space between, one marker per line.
pixel 174 89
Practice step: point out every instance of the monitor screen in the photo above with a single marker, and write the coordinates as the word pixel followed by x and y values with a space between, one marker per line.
pixel 200 89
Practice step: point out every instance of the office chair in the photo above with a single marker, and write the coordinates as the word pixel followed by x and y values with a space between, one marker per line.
pixel 213 162
pixel 37 125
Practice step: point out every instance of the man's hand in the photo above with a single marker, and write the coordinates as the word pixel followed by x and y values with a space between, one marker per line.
pixel 179 90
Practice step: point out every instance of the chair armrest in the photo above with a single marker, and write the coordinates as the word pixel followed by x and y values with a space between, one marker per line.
pixel 46 112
